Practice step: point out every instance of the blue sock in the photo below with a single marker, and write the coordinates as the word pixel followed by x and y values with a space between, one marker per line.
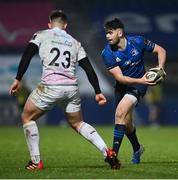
pixel 119 131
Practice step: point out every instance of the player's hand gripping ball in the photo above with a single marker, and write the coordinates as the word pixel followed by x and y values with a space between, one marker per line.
pixel 156 74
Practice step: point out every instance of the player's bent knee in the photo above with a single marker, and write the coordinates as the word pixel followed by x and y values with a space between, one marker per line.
pixel 27 117
pixel 74 119
pixel 24 119
pixel 74 123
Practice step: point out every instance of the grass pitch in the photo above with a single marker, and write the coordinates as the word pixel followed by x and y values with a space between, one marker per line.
pixel 66 155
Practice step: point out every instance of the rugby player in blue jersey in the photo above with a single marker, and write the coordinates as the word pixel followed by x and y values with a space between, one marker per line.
pixel 123 56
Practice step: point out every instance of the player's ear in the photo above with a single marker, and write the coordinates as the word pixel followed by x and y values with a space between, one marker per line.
pixel 120 33
pixel 49 25
pixel 65 26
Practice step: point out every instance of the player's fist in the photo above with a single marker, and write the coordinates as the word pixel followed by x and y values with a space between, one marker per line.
pixel 14 87
pixel 100 99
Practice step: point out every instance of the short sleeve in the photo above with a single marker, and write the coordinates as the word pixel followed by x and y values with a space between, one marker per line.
pixel 81 52
pixel 145 44
pixel 36 39
pixel 108 59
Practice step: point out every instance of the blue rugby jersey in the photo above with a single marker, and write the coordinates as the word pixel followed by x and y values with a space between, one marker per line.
pixel 130 60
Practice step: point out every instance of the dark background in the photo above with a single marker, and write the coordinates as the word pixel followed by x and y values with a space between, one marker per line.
pixel 156 20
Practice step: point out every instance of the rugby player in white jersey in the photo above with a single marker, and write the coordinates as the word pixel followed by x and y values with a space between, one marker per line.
pixel 59 53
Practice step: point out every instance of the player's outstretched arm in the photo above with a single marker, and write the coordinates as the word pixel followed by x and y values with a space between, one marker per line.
pixel 29 52
pixel 161 53
pixel 14 87
pixel 117 73
pixel 93 79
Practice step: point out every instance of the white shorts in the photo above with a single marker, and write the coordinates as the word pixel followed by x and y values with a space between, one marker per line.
pixel 67 97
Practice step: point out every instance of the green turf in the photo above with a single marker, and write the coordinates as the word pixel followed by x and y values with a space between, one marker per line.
pixel 67 155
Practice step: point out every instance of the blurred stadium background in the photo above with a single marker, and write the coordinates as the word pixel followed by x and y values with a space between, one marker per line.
pixel 157 20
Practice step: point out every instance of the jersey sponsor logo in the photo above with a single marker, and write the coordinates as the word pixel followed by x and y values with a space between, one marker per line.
pixel 65 43
pixel 118 59
pixel 134 52
pixel 147 42
pixel 127 62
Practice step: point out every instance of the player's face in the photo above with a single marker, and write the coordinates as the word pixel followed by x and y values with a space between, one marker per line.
pixel 112 36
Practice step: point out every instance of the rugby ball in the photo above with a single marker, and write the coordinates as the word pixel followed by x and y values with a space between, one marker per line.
pixel 156 75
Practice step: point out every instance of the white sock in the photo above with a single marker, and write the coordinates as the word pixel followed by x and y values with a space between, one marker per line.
pixel 32 138
pixel 90 133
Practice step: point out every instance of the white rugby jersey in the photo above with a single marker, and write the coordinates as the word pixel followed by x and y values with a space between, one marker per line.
pixel 59 53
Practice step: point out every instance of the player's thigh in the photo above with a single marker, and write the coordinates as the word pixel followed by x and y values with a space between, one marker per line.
pixel 40 100
pixel 73 106
pixel 31 111
pixel 125 106
pixel 69 100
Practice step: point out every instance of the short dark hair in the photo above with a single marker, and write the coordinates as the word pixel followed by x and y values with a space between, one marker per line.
pixel 57 15
pixel 114 24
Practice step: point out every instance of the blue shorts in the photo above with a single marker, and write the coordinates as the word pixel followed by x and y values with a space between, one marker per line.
pixel 136 90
